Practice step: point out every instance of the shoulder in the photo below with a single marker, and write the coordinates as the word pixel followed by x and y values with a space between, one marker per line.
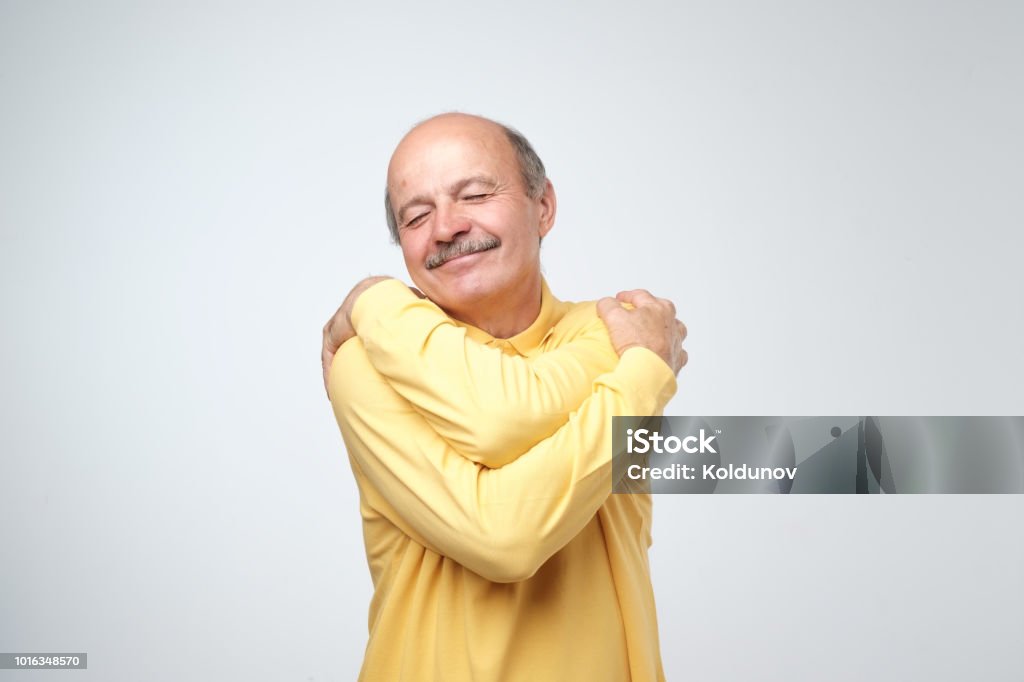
pixel 580 319
pixel 584 332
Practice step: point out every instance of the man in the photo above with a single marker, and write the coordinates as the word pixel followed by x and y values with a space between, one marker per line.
pixel 477 415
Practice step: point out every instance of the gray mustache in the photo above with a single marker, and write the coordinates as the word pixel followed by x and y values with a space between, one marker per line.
pixel 461 248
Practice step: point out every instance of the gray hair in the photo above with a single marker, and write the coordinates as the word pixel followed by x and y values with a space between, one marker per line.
pixel 530 167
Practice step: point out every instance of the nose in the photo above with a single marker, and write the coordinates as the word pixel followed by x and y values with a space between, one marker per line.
pixel 449 222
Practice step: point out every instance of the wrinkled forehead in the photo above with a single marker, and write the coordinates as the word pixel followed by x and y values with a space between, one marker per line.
pixel 436 156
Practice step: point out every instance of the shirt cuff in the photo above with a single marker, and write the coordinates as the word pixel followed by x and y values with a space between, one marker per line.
pixel 653 380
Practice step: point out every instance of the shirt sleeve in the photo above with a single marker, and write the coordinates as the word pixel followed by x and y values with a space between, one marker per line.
pixel 489 405
pixel 500 523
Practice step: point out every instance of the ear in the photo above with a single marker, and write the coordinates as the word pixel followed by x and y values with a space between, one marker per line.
pixel 548 205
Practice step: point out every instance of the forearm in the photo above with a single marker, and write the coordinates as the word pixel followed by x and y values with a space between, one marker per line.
pixel 501 523
pixel 489 405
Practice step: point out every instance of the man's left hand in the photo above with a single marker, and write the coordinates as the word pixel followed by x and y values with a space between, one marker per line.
pixel 339 329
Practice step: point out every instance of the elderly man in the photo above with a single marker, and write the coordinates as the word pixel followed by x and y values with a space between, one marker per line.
pixel 477 414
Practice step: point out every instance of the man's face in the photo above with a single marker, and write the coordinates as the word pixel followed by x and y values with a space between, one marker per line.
pixel 469 233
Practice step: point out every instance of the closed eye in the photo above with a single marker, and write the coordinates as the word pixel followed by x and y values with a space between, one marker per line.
pixel 475 197
pixel 413 222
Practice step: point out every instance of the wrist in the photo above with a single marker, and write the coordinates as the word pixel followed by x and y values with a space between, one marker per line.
pixel 660 352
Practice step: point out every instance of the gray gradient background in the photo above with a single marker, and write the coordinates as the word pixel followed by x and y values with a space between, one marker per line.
pixel 831 193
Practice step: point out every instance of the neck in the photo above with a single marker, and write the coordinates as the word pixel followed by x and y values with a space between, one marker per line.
pixel 506 315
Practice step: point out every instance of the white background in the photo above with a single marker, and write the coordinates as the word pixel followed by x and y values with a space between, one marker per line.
pixel 830 192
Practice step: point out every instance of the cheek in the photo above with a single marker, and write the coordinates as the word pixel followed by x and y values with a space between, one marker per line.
pixel 412 252
pixel 504 220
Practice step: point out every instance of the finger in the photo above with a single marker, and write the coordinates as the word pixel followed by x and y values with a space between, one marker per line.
pixel 327 332
pixel 636 297
pixel 332 335
pixel 684 357
pixel 325 360
pixel 682 330
pixel 607 306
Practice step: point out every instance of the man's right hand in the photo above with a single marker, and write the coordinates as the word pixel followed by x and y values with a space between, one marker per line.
pixel 651 324
pixel 339 329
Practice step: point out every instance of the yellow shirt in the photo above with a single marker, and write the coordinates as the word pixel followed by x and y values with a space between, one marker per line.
pixel 496 549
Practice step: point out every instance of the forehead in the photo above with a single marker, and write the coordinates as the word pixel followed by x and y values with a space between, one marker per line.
pixel 439 153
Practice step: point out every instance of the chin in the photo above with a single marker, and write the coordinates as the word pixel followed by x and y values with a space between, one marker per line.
pixel 463 292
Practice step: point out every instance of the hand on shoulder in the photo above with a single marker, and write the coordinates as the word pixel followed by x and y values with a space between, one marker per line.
pixel 651 324
pixel 339 328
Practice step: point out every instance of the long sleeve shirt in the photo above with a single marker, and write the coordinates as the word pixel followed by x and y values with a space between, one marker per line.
pixel 496 549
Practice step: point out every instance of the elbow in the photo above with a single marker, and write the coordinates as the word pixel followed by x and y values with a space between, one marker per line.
pixel 493 447
pixel 513 570
pixel 508 558
pixel 503 441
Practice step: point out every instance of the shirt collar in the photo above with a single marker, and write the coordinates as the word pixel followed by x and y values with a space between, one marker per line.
pixel 530 339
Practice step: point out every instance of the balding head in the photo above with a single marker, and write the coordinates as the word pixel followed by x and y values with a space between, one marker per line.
pixel 531 168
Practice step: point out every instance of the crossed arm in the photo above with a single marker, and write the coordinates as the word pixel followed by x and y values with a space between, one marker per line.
pixel 411 393
pixel 500 523
pixel 489 406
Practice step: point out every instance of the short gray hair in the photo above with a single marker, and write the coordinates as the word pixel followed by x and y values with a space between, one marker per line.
pixel 530 167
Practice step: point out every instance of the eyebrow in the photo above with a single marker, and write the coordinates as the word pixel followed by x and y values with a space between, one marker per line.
pixel 453 189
